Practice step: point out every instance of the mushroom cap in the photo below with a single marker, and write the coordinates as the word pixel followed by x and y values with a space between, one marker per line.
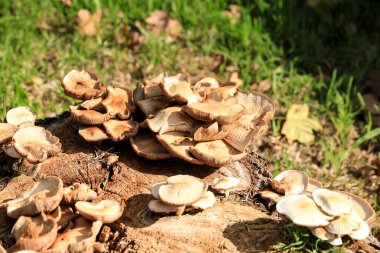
pixel 152 90
pixel 146 145
pixel 106 211
pixel 92 104
pixel 208 132
pixel 67 215
pixel 11 151
pixel 362 232
pixel 178 145
pixel 303 211
pixel 256 104
pixel 119 102
pixel 120 130
pixel 221 112
pixel 154 189
pixel 291 182
pixel 337 241
pixel 6 132
pixel 179 89
pixel 33 233
pixel 362 208
pixel 332 202
pixel 36 144
pixel 216 153
pixel 138 93
pixel 171 119
pixel 93 133
pixel 344 224
pixel 182 190
pixel 82 84
pixel 270 195
pixel 88 117
pixel 157 206
pixel 20 115
pixel 313 185
pixel 207 82
pixel 225 183
pixel 157 79
pixel 206 201
pixel 151 106
pixel 218 94
pixel 44 196
pixel 78 192
pixel 322 233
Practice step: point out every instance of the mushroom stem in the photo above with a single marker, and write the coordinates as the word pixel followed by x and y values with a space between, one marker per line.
pixel 227 193
pixel 180 210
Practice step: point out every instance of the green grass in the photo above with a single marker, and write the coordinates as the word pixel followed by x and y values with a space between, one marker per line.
pixel 320 55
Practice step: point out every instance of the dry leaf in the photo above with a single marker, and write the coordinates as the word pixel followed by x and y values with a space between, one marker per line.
pixel 87 23
pixel 234 78
pixel 173 29
pixel 234 13
pixel 66 3
pixel 298 126
pixel 263 85
pixel 157 22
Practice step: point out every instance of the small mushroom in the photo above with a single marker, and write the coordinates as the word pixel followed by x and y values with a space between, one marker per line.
pixel 106 211
pixel 290 182
pixel 33 233
pixel 337 241
pixel 225 184
pixel 20 115
pixel 10 151
pixel 120 130
pixel 146 145
pixel 36 144
pixel 178 87
pixel 151 106
pixel 322 233
pixel 344 224
pixel 208 82
pixel 154 189
pixel 92 104
pixel 218 94
pixel 206 201
pixel 157 206
pixel 82 85
pixel 88 117
pixel 119 102
pixel 302 210
pixel 216 153
pixel 333 203
pixel 270 195
pixel 78 192
pixel 208 132
pixel 93 133
pixel 182 190
pixel 6 132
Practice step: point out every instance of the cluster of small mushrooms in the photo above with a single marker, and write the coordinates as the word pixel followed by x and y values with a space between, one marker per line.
pixel 20 138
pixel 202 123
pixel 52 218
pixel 182 193
pixel 328 214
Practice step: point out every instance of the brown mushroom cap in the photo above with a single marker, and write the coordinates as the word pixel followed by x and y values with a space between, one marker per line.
pixel 218 94
pixel 270 195
pixel 138 93
pixel 20 115
pixel 221 112
pixel 44 196
pixel 82 85
pixel 171 119
pixel 36 144
pixel 92 104
pixel 332 202
pixel 207 82
pixel 322 233
pixel 206 201
pixel 303 211
pixel 6 132
pixel 178 87
pixel 93 133
pixel 146 145
pixel 157 206
pixel 88 117
pixel 182 190
pixel 120 130
pixel 106 211
pixel 362 208
pixel 152 90
pixel 258 105
pixel 151 106
pixel 225 183
pixel 78 192
pixel 33 233
pixel 291 182
pixel 208 132
pixel 216 153
pixel 119 102
pixel 178 145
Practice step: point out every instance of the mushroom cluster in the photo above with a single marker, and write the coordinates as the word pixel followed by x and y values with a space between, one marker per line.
pixel 20 138
pixel 203 123
pixel 52 218
pixel 105 112
pixel 328 214
pixel 182 193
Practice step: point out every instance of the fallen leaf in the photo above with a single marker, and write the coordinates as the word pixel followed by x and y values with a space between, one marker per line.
pixel 234 13
pixel 66 3
pixel 173 29
pixel 298 126
pixel 129 35
pixel 263 85
pixel 157 22
pixel 234 78
pixel 88 23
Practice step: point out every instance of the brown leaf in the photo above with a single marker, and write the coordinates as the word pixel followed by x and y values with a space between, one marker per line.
pixel 234 78
pixel 157 22
pixel 88 23
pixel 234 13
pixel 263 85
pixel 66 3
pixel 173 29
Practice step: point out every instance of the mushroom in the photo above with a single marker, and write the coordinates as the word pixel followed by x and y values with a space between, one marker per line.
pixel 290 182
pixel 218 94
pixel 146 145
pixel 106 211
pixel 152 90
pixel 44 196
pixel 157 206
pixel 120 130
pixel 361 207
pixel 270 195
pixel 344 224
pixel 20 115
pixel 36 144
pixel 332 203
pixel 138 93
pixel 302 210
pixel 178 145
pixel 208 132
pixel 151 106
pixel 322 233
pixel 206 201
pixel 362 232
pixel 67 215
pixel 215 153
pixel 10 151
pixel 154 189
pixel 182 190
pixel 92 104
pixel 78 192
pixel 55 215
pixel 178 87
pixel 225 184
pixel 208 82
pixel 6 132
pixel 82 85
pixel 88 117
pixel 33 233
pixel 119 102
pixel 313 185
pixel 93 133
